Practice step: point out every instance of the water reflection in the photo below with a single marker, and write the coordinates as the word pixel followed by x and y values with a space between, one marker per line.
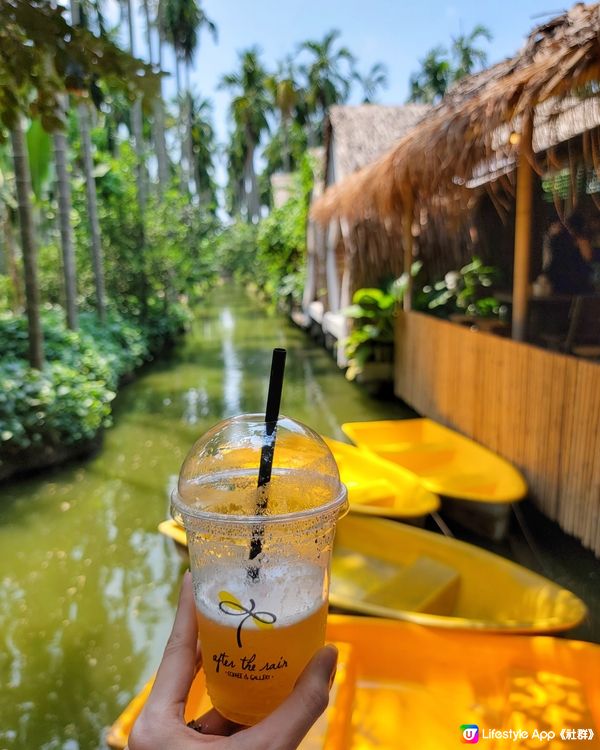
pixel 87 585
pixel 232 375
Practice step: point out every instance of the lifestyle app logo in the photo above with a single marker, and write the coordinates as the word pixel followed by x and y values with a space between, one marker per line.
pixel 469 734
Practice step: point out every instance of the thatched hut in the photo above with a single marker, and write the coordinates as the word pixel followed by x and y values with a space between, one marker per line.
pixel 354 136
pixel 491 139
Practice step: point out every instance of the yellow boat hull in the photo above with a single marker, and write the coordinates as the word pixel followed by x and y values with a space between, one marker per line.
pixel 446 462
pixel 407 687
pixel 392 570
pixel 379 488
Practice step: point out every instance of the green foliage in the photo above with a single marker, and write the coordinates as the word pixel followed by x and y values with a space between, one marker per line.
pixel 464 291
pixel 281 242
pixel 372 313
pixel 236 248
pixel 146 264
pixel 59 406
pixel 39 51
pixel 440 67
pixel 69 401
pixel 39 148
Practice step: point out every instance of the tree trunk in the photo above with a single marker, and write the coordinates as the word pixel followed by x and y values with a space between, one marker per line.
pixel 66 234
pixel 92 207
pixel 252 198
pixel 29 248
pixel 285 124
pixel 11 260
pixel 90 191
pixel 137 123
pixel 184 180
pixel 189 140
pixel 158 120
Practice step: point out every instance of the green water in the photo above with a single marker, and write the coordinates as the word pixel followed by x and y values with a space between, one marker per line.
pixel 87 585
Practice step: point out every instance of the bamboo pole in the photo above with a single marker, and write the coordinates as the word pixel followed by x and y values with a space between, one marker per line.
pixel 407 246
pixel 522 234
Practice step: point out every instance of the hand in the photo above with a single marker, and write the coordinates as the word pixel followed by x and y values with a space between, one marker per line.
pixel 161 726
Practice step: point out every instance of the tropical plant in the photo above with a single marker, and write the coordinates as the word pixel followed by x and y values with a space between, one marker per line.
pixel 136 116
pixel 203 149
pixel 158 108
pixel 467 56
pixel 286 94
pixel 439 68
pixel 464 291
pixel 183 21
pixel 249 110
pixel 328 73
pixel 28 245
pixel 281 242
pixel 372 314
pixel 431 83
pixel 371 81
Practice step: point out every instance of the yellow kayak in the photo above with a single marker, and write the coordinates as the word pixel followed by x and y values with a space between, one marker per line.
pixel 446 462
pixel 404 687
pixel 392 570
pixel 379 488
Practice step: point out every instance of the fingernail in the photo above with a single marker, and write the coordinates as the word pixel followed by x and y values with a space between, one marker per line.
pixel 333 656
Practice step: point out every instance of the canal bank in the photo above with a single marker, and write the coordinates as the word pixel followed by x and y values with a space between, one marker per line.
pixel 87 585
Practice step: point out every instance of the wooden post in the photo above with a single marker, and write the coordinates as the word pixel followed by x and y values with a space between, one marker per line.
pixel 407 245
pixel 333 287
pixel 523 233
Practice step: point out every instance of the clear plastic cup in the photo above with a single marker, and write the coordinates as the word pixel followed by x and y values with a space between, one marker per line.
pixel 261 582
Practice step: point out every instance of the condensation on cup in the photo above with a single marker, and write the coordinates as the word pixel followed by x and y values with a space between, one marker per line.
pixel 261 582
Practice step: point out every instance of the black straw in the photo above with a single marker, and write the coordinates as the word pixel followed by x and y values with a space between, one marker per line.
pixel 267 450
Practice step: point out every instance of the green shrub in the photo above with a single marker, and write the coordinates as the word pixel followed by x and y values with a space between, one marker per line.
pixel 69 401
pixel 59 406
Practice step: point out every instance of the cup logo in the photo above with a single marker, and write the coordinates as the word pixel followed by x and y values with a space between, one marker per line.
pixel 231 605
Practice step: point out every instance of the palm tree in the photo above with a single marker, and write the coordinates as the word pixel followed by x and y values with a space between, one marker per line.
pixel 28 245
pixel 438 71
pixel 328 77
pixel 158 109
pixel 90 191
pixel 235 189
pixel 203 147
pixel 375 78
pixel 286 95
pixel 466 54
pixel 431 83
pixel 249 109
pixel 136 119
pixel 63 186
pixel 183 20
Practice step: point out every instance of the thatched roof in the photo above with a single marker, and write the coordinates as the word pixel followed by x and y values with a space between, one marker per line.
pixel 362 133
pixel 480 120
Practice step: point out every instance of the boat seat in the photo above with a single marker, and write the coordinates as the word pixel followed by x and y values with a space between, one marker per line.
pixel 419 457
pixel 377 492
pixel 463 482
pixel 410 446
pixel 426 585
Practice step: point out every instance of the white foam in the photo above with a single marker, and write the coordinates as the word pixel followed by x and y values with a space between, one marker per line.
pixel 290 593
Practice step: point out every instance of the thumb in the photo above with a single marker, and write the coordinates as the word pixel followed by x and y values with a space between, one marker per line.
pixel 291 721
pixel 178 665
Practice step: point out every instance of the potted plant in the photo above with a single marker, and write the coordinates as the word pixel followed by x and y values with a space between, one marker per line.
pixel 370 344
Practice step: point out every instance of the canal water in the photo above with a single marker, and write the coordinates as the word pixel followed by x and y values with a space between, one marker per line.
pixel 87 585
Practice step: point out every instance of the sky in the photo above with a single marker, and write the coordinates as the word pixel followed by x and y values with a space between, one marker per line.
pixel 397 33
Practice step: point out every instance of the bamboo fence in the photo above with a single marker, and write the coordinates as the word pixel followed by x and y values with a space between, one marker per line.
pixel 536 408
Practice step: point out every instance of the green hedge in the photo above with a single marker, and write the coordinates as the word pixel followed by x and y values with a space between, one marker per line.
pixel 69 401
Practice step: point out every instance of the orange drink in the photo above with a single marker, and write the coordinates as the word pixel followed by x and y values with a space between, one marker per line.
pixel 261 581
